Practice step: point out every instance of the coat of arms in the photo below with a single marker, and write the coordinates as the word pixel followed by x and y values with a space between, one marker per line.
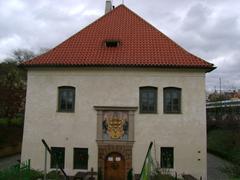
pixel 115 124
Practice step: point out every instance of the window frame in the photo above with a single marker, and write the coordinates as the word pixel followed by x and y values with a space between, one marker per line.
pixel 74 163
pixel 51 159
pixel 141 91
pixel 162 165
pixel 172 89
pixel 60 90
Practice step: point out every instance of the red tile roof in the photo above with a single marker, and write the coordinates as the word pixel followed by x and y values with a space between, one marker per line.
pixel 141 44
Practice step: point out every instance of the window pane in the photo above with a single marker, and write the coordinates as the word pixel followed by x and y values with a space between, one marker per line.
pixel 167 157
pixel 176 100
pixel 80 158
pixel 66 99
pixel 167 101
pixel 172 100
pixel 151 95
pixel 176 105
pixel 58 155
pixel 144 107
pixel 148 99
pixel 144 95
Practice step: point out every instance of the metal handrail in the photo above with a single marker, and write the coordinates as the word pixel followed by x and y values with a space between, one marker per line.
pixel 50 152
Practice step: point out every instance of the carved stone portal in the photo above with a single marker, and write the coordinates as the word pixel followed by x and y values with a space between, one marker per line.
pixel 115 134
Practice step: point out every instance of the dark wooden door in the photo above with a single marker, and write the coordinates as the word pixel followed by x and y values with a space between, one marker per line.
pixel 114 167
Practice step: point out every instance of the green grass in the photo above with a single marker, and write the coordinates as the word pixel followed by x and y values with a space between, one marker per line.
pixel 225 143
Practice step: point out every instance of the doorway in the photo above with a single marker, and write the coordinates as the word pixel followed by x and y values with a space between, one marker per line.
pixel 114 167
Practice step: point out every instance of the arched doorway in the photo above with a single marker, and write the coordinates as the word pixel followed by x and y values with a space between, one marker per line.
pixel 114 167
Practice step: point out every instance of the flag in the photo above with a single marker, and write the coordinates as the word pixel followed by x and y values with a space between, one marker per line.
pixel 148 165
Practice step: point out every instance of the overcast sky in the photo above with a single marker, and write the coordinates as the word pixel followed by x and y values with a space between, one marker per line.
pixel 209 29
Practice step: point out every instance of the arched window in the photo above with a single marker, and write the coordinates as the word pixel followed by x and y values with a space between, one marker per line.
pixel 66 99
pixel 172 100
pixel 148 100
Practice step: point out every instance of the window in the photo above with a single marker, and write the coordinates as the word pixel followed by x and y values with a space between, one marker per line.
pixel 167 157
pixel 80 158
pixel 66 99
pixel 112 43
pixel 148 100
pixel 172 100
pixel 58 155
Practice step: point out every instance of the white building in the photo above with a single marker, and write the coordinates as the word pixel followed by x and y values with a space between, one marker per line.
pixel 100 97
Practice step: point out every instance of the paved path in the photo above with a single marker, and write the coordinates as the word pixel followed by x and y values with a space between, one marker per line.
pixel 8 161
pixel 214 165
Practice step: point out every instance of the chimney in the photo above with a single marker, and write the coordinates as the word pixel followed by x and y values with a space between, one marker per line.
pixel 109 6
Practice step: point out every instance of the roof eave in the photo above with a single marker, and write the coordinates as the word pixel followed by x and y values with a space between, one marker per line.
pixel 204 68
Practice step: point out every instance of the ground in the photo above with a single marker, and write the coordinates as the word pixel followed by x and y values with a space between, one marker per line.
pixel 10 136
pixel 9 161
pixel 225 143
pixel 214 163
pixel 214 168
pixel 11 132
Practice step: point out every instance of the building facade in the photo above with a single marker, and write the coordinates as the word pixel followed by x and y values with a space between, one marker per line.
pixel 101 97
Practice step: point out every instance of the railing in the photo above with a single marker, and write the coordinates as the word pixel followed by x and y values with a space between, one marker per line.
pixel 52 155
pixel 226 103
pixel 18 171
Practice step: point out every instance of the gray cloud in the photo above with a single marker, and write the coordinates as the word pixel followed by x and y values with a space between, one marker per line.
pixel 209 29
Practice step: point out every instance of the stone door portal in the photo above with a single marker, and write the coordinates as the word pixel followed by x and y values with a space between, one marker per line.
pixel 114 167
pixel 115 138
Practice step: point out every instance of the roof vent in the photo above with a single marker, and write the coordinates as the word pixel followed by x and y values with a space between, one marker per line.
pixel 112 43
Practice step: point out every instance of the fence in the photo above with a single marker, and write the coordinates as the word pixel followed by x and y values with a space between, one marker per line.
pixel 223 114
pixel 19 171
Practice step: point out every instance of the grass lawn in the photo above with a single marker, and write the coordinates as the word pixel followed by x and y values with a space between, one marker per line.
pixel 225 143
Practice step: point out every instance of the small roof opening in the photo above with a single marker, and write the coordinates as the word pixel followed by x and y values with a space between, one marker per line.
pixel 112 43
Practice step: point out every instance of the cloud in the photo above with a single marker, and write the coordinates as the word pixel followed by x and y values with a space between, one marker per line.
pixel 45 23
pixel 209 29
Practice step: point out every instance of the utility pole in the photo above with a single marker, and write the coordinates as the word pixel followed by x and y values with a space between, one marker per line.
pixel 221 99
pixel 220 87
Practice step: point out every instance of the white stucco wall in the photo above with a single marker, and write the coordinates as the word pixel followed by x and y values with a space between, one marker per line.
pixel 186 132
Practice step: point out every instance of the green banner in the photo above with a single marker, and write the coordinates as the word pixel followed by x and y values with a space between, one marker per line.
pixel 148 165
